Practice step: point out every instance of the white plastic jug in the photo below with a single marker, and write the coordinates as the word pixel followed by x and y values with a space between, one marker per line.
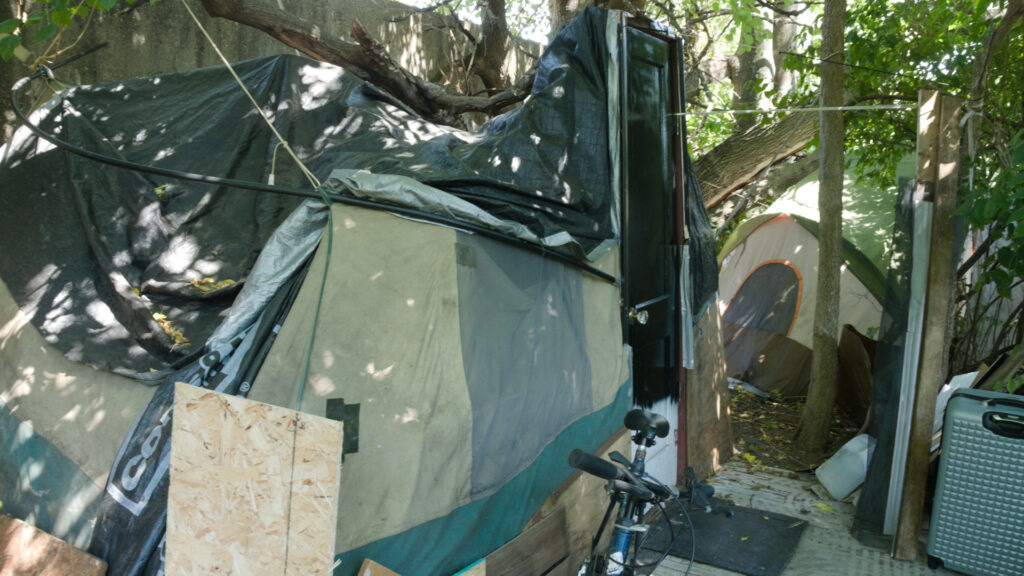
pixel 846 469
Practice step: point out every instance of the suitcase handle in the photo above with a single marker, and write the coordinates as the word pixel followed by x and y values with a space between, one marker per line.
pixel 1001 424
pixel 1005 402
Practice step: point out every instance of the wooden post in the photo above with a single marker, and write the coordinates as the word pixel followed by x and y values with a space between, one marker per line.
pixel 708 428
pixel 935 333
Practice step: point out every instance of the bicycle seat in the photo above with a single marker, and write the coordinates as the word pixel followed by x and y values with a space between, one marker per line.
pixel 646 422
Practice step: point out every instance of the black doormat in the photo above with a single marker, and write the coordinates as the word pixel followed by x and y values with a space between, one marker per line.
pixel 752 542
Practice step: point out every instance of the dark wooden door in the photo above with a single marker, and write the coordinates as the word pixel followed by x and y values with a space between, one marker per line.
pixel 647 208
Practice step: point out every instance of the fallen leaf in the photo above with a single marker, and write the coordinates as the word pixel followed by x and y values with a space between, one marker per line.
pixel 743 539
pixel 207 285
pixel 823 507
pixel 177 338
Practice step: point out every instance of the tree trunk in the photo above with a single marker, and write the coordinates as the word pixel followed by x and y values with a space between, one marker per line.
pixel 740 158
pixel 784 29
pixel 817 414
pixel 492 49
pixel 754 72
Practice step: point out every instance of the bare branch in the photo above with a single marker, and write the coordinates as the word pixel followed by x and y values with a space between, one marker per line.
pixel 981 250
pixel 365 58
pixel 1014 12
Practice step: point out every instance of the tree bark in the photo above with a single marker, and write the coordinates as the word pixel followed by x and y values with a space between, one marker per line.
pixel 784 29
pixel 817 414
pixel 763 191
pixel 754 73
pixel 366 59
pixel 492 49
pixel 740 158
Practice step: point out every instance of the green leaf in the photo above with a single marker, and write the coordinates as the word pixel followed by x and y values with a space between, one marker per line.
pixel 61 18
pixel 992 207
pixel 106 4
pixel 45 33
pixel 9 26
pixel 34 18
pixel 7 46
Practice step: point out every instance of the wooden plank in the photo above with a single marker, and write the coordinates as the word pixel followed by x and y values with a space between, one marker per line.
pixel 478 568
pixel 28 551
pixel 563 568
pixel 936 329
pixel 924 194
pixel 371 568
pixel 584 498
pixel 253 487
pixel 708 428
pixel 534 552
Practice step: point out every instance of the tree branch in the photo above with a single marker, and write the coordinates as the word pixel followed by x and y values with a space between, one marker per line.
pixel 981 250
pixel 738 160
pixel 365 58
pixel 1014 12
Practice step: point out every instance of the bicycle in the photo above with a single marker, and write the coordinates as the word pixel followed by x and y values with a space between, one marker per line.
pixel 631 489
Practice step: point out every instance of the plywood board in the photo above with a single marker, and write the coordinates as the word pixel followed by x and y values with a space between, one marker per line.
pixel 27 551
pixel 253 487
pixel 585 500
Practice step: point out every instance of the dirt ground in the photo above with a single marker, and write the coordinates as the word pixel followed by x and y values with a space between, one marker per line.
pixel 763 431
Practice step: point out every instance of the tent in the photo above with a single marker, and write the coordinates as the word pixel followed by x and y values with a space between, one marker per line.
pixel 451 296
pixel 768 280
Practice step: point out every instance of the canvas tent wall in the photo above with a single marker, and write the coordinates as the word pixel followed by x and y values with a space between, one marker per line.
pixel 465 359
pixel 768 279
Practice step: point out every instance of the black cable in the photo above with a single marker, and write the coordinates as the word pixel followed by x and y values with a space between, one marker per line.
pixel 689 521
pixel 287 191
pixel 693 535
pixel 671 540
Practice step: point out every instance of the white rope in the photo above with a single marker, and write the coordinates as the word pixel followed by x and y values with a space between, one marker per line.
pixel 813 109
pixel 282 142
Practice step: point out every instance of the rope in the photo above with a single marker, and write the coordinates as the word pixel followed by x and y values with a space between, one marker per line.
pixel 282 143
pixel 812 109
pixel 309 175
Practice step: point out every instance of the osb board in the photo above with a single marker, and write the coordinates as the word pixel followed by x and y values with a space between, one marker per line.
pixel 27 551
pixel 585 500
pixel 253 487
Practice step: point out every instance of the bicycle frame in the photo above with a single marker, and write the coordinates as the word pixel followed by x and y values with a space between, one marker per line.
pixel 630 492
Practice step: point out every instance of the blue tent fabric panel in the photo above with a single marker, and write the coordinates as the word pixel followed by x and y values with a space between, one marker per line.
pixel 33 467
pixel 524 351
pixel 468 533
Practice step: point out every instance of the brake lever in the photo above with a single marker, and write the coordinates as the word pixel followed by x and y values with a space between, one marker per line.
pixel 617 456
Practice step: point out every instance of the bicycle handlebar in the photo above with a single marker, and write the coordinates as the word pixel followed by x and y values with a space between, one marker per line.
pixel 596 466
pixel 638 491
pixel 621 480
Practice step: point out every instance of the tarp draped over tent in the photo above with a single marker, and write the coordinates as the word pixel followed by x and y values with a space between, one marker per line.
pixel 464 368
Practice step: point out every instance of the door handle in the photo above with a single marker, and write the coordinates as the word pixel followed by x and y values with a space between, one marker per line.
pixel 638 316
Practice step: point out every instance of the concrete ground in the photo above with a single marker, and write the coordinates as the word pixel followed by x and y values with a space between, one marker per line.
pixel 826 547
